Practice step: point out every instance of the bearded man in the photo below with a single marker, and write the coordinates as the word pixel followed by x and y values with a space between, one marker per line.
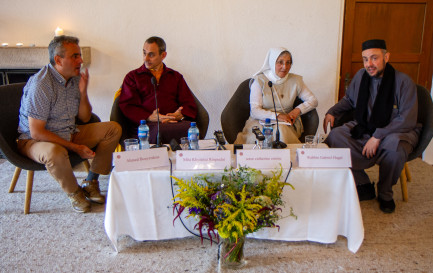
pixel 384 130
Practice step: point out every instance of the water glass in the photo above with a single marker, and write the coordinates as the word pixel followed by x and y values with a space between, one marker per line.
pixel 131 144
pixel 310 141
pixel 184 143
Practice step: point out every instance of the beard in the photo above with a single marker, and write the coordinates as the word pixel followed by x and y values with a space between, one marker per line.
pixel 379 73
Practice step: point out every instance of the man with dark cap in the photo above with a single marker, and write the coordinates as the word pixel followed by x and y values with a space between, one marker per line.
pixel 384 130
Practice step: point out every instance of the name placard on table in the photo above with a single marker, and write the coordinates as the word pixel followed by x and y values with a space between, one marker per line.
pixel 324 158
pixel 140 159
pixel 264 158
pixel 202 160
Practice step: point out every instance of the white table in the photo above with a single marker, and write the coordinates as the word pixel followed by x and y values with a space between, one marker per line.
pixel 139 204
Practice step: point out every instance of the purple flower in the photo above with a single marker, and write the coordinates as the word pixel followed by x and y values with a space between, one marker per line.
pixel 215 195
pixel 194 210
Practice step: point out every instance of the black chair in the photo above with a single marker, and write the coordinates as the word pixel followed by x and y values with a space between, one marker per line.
pixel 202 118
pixel 425 117
pixel 237 112
pixel 9 118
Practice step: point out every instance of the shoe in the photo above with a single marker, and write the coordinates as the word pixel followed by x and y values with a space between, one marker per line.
pixel 366 191
pixel 92 192
pixel 386 206
pixel 79 201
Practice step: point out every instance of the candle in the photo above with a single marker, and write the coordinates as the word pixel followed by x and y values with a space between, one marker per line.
pixel 5 44
pixel 58 31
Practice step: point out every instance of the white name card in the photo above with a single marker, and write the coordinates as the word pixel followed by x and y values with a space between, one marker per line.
pixel 141 159
pixel 324 158
pixel 264 158
pixel 202 160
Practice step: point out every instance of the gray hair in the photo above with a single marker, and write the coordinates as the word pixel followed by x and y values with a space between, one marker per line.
pixel 57 46
pixel 158 41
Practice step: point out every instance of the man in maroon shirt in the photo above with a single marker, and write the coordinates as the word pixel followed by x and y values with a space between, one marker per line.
pixel 175 100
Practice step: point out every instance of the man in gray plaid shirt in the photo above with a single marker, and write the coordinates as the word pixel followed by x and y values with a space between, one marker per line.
pixel 52 99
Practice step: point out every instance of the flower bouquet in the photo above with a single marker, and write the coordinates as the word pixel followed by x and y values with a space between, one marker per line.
pixel 236 203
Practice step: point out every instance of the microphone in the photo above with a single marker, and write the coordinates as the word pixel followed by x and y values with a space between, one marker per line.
pixel 158 137
pixel 277 144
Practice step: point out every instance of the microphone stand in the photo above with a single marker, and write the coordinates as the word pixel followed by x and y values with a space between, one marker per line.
pixel 277 144
pixel 158 137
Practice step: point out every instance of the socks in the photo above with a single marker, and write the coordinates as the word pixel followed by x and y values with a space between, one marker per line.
pixel 92 176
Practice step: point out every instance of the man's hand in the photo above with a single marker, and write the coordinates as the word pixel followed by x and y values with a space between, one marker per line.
pixel 370 147
pixel 39 133
pixel 177 115
pixel 290 117
pixel 84 81
pixel 162 118
pixel 84 152
pixel 328 119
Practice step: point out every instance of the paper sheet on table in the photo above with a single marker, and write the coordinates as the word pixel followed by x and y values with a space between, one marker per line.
pixel 273 122
pixel 207 144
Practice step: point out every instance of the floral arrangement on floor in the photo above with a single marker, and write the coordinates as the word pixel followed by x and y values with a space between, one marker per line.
pixel 236 203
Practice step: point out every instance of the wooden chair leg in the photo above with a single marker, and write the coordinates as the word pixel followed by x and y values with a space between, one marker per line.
pixel 15 179
pixel 86 165
pixel 408 176
pixel 403 182
pixel 29 187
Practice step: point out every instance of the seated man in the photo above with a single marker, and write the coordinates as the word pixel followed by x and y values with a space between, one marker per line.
pixel 175 101
pixel 52 99
pixel 384 131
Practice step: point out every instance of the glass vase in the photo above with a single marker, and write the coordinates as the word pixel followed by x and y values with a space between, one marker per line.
pixel 231 253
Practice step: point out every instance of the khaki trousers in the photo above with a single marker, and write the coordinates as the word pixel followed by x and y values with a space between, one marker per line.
pixel 102 135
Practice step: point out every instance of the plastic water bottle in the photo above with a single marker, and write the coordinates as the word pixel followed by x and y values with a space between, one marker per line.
pixel 193 135
pixel 268 131
pixel 143 135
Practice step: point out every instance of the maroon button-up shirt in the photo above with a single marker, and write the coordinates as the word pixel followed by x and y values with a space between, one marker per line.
pixel 137 99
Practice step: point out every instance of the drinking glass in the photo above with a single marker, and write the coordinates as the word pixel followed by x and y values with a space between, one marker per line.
pixel 310 141
pixel 131 144
pixel 184 143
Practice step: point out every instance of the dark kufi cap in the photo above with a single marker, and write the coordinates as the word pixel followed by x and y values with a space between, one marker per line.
pixel 375 43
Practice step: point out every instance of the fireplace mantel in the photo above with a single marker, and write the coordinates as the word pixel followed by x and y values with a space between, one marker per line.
pixel 31 57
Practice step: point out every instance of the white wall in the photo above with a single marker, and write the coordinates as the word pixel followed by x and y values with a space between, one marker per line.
pixel 215 44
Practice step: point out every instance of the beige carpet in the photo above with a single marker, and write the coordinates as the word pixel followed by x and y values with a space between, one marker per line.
pixel 53 238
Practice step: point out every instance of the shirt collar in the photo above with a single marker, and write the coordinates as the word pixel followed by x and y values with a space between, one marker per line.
pixel 143 69
pixel 59 78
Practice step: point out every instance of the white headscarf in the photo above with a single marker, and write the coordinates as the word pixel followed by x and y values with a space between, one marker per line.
pixel 268 67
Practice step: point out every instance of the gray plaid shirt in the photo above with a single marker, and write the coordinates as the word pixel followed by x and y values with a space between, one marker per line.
pixel 45 97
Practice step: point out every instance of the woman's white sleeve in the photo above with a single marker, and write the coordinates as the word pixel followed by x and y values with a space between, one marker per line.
pixel 310 101
pixel 256 103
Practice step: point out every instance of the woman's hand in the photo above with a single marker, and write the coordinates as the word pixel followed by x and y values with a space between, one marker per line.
pixel 290 117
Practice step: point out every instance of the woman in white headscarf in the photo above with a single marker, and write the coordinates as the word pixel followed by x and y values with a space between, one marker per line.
pixel 286 87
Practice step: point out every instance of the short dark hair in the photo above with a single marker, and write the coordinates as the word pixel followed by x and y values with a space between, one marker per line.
pixel 158 41
pixel 57 46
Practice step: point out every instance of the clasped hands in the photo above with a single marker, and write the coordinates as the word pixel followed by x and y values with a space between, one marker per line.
pixel 168 118
pixel 290 117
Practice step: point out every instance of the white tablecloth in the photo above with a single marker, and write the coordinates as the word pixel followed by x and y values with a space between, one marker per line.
pixel 139 204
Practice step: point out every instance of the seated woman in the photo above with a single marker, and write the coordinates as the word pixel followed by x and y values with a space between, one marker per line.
pixel 286 87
